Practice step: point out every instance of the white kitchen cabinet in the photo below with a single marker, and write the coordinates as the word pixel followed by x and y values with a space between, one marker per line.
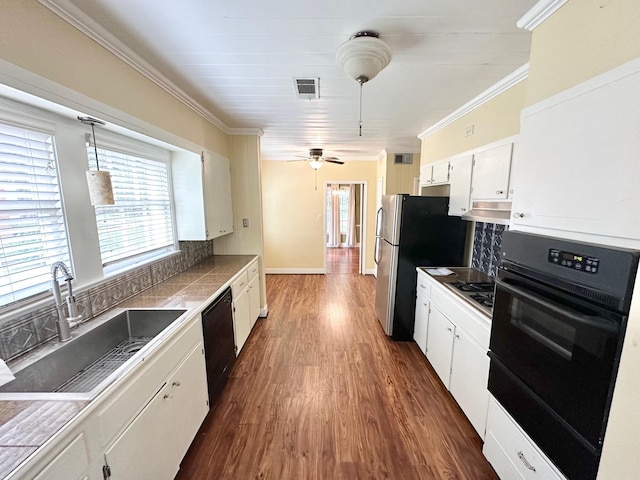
pixel 421 322
pixel 217 194
pixel 146 448
pixel 491 171
pixel 189 399
pixel 254 299
pixel 71 463
pixel 202 195
pixel 434 174
pixel 576 165
pixel 469 374
pixel 510 451
pixel 241 319
pixel 440 344
pixel 460 184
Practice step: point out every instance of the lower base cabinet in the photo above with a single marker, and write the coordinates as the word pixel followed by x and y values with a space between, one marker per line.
pixel 241 319
pixel 155 442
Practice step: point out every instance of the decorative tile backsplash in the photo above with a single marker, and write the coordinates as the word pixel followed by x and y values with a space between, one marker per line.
pixel 19 335
pixel 487 247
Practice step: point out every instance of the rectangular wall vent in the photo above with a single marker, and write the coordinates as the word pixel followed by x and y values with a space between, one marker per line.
pixel 307 88
pixel 406 158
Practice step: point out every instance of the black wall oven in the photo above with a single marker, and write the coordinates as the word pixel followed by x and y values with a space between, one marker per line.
pixel 559 318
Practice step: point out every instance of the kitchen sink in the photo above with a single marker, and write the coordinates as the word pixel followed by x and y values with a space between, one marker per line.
pixel 93 355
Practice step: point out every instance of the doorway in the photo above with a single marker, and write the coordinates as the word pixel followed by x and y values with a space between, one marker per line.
pixel 344 227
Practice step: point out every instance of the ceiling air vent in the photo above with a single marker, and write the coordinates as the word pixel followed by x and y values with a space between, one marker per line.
pixel 307 88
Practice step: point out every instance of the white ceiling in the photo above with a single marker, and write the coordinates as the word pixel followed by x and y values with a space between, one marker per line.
pixel 237 59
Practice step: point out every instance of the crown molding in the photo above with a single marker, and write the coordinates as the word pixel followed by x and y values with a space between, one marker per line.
pixel 78 19
pixel 505 84
pixel 258 132
pixel 539 13
pixel 381 155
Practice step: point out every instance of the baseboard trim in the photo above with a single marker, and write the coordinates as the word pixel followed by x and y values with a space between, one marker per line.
pixel 264 311
pixel 370 271
pixel 294 271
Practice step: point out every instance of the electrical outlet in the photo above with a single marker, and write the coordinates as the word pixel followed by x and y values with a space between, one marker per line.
pixel 245 222
pixel 468 131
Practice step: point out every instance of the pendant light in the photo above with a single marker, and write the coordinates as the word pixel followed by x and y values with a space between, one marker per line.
pixel 362 57
pixel 99 181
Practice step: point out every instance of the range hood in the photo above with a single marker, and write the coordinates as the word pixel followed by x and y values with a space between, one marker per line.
pixel 490 211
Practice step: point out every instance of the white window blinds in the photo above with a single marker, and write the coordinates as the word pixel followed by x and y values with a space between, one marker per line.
pixel 140 222
pixel 32 228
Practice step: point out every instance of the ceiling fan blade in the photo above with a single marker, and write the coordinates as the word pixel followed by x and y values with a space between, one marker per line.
pixel 300 156
pixel 329 160
pixel 298 160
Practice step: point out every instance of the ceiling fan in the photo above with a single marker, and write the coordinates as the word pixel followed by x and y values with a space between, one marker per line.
pixel 316 160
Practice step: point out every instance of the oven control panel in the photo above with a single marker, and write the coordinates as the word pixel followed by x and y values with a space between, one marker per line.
pixel 574 261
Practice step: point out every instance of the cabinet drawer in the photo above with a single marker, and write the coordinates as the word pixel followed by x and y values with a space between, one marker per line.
pixel 137 390
pixel 239 285
pixel 423 286
pixel 511 453
pixel 252 270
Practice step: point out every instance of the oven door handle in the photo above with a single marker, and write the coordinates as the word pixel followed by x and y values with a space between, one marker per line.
pixel 600 324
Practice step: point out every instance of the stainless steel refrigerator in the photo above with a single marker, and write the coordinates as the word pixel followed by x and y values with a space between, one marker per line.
pixel 411 231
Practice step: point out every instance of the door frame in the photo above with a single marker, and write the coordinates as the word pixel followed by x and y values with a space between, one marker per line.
pixel 362 263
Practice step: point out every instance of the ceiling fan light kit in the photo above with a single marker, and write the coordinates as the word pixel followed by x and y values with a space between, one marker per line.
pixel 362 57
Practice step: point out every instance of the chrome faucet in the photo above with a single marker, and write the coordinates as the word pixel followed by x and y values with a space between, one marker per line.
pixel 64 324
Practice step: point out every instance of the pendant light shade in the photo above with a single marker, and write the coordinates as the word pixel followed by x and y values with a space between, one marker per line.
pixel 99 181
pixel 362 57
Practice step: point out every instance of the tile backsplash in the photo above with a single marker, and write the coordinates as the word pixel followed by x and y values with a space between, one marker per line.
pixel 21 334
pixel 487 247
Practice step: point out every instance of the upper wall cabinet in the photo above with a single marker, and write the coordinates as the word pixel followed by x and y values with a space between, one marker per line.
pixel 202 195
pixel 491 170
pixel 434 174
pixel 460 184
pixel 578 168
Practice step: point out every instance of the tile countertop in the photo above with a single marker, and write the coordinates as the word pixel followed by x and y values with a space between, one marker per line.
pixel 26 425
pixel 462 274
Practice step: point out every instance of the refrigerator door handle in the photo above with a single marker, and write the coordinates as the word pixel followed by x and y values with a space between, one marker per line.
pixel 375 251
pixel 378 222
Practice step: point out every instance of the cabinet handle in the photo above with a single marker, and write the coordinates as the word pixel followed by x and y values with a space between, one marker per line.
pixel 425 304
pixel 449 329
pixel 457 336
pixel 499 192
pixel 518 215
pixel 422 286
pixel 166 395
pixel 176 384
pixel 463 209
pixel 526 463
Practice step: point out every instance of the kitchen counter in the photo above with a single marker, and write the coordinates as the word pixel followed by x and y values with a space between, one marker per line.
pixel 461 274
pixel 26 425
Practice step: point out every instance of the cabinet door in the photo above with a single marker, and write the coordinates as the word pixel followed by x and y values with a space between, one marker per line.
pixel 189 399
pixel 241 319
pixel 254 299
pixel 460 185
pixel 146 448
pixel 440 344
pixel 469 375
pixel 421 323
pixel 491 170
pixel 71 464
pixel 217 193
pixel 440 173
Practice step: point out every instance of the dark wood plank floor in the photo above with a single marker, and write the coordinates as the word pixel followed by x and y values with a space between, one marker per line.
pixel 343 260
pixel 319 392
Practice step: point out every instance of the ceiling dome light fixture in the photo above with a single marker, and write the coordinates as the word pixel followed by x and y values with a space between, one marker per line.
pixel 362 57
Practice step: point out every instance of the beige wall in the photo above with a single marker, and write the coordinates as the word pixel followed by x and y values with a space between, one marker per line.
pixel 497 119
pixel 293 234
pixel 33 38
pixel 399 177
pixel 581 40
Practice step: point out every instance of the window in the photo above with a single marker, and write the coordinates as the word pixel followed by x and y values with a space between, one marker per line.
pixel 140 222
pixel 343 194
pixel 32 228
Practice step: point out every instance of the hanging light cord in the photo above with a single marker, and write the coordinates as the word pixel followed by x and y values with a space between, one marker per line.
pixel 95 147
pixel 360 121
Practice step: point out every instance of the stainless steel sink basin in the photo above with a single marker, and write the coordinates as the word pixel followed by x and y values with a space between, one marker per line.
pixel 82 364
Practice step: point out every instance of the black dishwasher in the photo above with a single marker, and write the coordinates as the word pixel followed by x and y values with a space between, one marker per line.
pixel 219 345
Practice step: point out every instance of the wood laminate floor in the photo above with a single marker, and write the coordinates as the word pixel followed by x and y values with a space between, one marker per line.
pixel 343 260
pixel 319 392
